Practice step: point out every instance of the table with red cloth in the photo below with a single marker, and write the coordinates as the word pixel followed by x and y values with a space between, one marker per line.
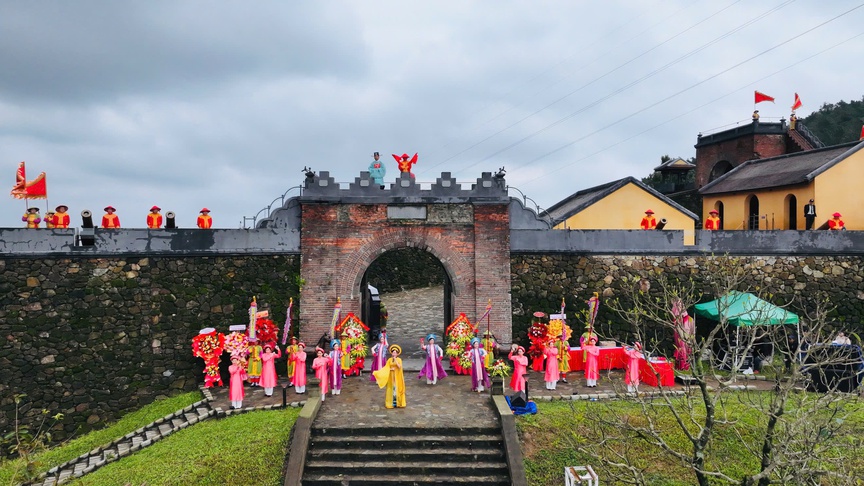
pixel 661 368
pixel 612 358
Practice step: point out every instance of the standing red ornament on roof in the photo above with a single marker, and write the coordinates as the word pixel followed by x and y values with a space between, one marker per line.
pixel 405 163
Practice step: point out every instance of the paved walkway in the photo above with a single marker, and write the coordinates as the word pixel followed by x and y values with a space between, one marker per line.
pixel 450 403
pixel 414 314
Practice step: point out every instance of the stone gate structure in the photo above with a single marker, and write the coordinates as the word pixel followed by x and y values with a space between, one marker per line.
pixel 345 230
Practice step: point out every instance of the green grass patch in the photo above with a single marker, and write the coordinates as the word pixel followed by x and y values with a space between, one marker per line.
pixel 246 449
pixel 10 469
pixel 551 440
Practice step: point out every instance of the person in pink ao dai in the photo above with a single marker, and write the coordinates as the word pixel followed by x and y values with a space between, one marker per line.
pixel 268 368
pixel 235 387
pixel 631 375
pixel 321 365
pixel 379 354
pixel 552 373
pixel 520 367
pixel 299 378
pixel 479 375
pixel 592 363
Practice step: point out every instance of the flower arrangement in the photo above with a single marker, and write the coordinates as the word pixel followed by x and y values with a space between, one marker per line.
pixel 237 344
pixel 265 331
pixel 209 347
pixel 556 329
pixel 353 335
pixel 499 368
pixel 459 334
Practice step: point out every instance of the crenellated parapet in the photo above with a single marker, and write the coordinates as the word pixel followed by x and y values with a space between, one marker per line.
pixel 488 188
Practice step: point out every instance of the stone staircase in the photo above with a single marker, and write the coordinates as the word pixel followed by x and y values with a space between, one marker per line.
pixel 131 442
pixel 405 456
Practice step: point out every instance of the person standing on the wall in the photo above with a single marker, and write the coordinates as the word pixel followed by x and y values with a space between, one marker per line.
pixel 713 221
pixel 810 214
pixel 377 171
pixel 836 223
pixel 154 219
pixel 109 219
pixel 648 222
pixel 61 218
pixel 32 218
pixel 204 219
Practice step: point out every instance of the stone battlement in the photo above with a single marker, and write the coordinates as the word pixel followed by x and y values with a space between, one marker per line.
pixel 323 188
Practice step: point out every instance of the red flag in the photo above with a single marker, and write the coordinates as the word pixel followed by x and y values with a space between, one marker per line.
pixel 797 103
pixel 20 181
pixel 862 134
pixel 760 97
pixel 36 189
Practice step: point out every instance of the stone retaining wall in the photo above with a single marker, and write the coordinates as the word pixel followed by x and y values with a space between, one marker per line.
pixel 93 337
pixel 539 281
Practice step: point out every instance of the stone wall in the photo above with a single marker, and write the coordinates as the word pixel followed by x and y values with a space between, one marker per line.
pixel 92 337
pixel 405 269
pixel 540 281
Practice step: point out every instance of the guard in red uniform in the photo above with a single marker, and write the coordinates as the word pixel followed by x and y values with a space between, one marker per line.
pixel 49 219
pixel 61 218
pixel 713 221
pixel 110 220
pixel 836 223
pixel 648 222
pixel 204 219
pixel 154 219
pixel 32 218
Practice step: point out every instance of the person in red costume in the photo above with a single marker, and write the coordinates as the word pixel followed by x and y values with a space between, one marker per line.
pixel 713 221
pixel 110 220
pixel 61 218
pixel 405 163
pixel 154 219
pixel 204 219
pixel 648 222
pixel 836 223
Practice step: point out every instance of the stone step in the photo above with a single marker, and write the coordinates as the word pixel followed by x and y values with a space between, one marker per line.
pixel 408 432
pixel 405 479
pixel 386 467
pixel 165 428
pixel 177 422
pixel 390 443
pixel 151 434
pixel 458 454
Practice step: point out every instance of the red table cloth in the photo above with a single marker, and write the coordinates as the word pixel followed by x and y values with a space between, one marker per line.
pixel 661 368
pixel 610 359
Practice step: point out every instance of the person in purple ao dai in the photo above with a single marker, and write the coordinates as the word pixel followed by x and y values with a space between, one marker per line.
pixel 433 370
pixel 479 375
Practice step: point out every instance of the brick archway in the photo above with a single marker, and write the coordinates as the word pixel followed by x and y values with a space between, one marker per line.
pixel 467 231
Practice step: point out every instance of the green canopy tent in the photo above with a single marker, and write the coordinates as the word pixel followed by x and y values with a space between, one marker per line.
pixel 743 310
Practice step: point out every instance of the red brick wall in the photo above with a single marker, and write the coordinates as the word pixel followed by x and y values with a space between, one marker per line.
pixel 340 241
pixel 737 151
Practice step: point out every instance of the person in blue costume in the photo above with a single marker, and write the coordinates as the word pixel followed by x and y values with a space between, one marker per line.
pixel 377 171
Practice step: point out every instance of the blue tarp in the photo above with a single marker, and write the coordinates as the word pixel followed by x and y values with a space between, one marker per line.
pixel 530 407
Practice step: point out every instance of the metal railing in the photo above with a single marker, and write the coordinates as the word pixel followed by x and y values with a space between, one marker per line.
pixel 269 208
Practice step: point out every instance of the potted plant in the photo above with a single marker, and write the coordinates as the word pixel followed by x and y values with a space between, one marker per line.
pixel 499 368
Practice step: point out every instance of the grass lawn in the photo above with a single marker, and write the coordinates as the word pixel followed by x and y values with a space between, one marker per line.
pixel 74 448
pixel 247 449
pixel 550 439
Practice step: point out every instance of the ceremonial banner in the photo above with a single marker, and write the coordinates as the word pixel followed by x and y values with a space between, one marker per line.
pixel 797 103
pixel 337 313
pixel 760 97
pixel 287 330
pixel 20 181
pixel 488 310
pixel 36 189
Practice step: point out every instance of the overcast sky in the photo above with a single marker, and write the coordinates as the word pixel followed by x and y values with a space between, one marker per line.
pixel 221 104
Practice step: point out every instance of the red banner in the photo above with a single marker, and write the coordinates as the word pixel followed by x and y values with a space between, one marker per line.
pixel 797 103
pixel 760 97
pixel 36 189
pixel 20 181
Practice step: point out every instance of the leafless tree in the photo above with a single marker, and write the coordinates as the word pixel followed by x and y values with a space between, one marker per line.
pixel 792 439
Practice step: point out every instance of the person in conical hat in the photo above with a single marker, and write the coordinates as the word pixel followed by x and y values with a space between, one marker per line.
pixel 392 378
pixel 713 221
pixel 648 222
pixel 109 219
pixel 204 219
pixel 836 223
pixel 32 218
pixel 154 219
pixel 61 218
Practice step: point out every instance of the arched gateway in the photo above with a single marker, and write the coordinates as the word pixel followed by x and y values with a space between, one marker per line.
pixel 342 231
